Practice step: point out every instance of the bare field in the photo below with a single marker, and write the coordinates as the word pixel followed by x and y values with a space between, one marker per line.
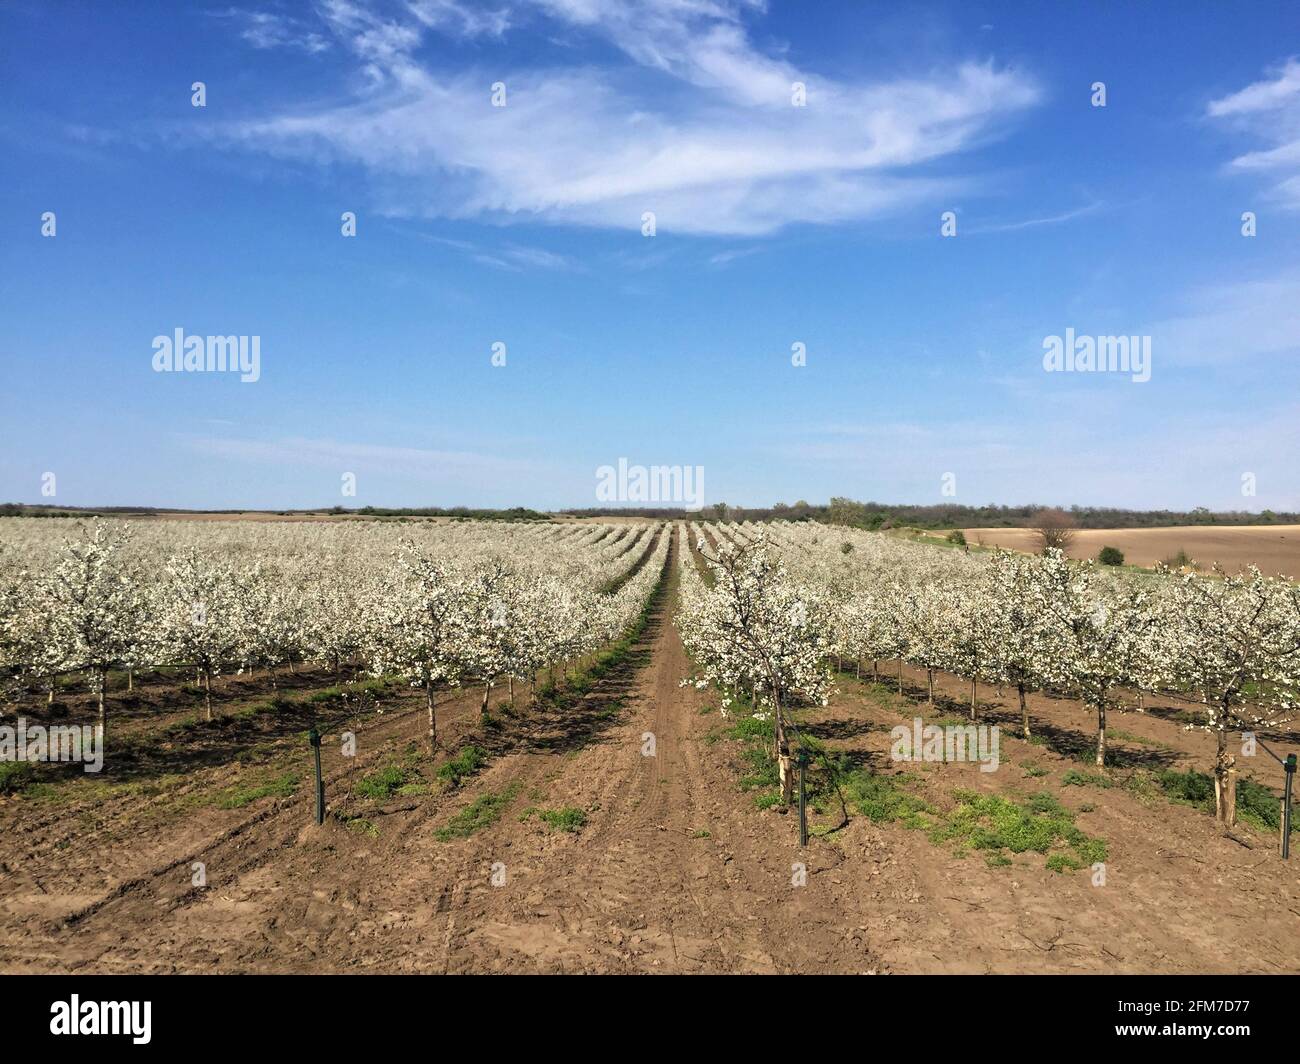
pixel 1274 548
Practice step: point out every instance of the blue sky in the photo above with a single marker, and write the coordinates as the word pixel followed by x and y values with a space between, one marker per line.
pixel 775 225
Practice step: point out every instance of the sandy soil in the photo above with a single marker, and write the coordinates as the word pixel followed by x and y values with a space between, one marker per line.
pixel 1274 548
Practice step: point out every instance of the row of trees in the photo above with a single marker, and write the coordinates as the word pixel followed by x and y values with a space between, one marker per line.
pixel 434 619
pixel 1228 642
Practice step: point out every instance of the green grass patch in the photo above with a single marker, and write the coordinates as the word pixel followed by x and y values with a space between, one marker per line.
pixel 1075 778
pixel 16 776
pixel 467 762
pixel 568 818
pixel 1140 740
pixel 995 823
pixel 995 826
pixel 244 794
pixel 885 799
pixel 752 728
pixel 480 813
pixel 360 825
pixel 762 770
pixel 1256 804
pixel 383 783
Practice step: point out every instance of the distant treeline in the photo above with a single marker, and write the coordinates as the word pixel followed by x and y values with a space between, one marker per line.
pixel 879 515
pixel 839 511
pixel 516 513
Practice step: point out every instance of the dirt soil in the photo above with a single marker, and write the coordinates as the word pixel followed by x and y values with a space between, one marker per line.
pixel 1274 548
pixel 671 867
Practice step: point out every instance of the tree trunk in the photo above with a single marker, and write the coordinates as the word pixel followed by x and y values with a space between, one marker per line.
pixel 130 679
pixel 512 690
pixel 207 692
pixel 857 669
pixel 103 682
pixel 974 698
pixel 487 690
pixel 433 721
pixel 782 754
pixel 1225 784
pixel 875 671
pixel 1101 734
pixel 900 676
pixel 1024 710
pixel 929 678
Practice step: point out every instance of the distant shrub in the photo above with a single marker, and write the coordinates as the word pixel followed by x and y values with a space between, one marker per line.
pixel 1111 556
pixel 1181 560
pixel 958 537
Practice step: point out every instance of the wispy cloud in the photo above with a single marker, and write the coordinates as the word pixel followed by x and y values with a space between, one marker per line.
pixel 268 29
pixel 514 257
pixel 726 258
pixel 1231 322
pixel 695 124
pixel 1269 110
pixel 459 18
pixel 1031 223
pixel 525 258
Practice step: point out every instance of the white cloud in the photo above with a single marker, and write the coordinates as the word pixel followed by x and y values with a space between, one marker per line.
pixel 1270 111
pixel 265 30
pixel 462 19
pixel 696 124
pixel 520 258
pixel 1231 322
pixel 1032 223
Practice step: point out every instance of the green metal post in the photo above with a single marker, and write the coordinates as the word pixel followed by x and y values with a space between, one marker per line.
pixel 1289 765
pixel 313 737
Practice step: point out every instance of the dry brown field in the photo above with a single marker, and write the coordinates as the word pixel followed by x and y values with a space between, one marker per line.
pixel 1274 548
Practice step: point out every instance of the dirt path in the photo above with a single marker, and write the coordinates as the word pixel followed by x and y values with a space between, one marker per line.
pixel 671 873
